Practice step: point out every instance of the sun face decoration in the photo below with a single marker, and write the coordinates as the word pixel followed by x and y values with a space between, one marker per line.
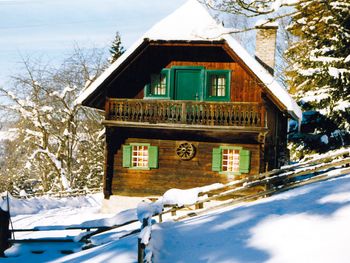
pixel 185 151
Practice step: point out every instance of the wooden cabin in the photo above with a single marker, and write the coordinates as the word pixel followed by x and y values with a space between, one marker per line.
pixel 187 106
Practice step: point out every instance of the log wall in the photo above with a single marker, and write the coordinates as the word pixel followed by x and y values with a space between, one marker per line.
pixel 173 172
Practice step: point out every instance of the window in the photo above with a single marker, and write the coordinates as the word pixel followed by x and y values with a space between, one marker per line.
pixel 140 156
pixel 159 85
pixel 230 159
pixel 218 85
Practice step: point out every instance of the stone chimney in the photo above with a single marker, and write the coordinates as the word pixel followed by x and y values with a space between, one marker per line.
pixel 265 48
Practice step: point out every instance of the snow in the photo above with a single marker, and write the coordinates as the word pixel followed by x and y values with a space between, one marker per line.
pixel 341 105
pixel 307 224
pixel 347 59
pixel 7 135
pixel 337 72
pixel 180 197
pixel 38 204
pixel 192 22
pixel 146 210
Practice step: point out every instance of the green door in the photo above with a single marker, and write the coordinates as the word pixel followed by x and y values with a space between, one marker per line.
pixel 188 84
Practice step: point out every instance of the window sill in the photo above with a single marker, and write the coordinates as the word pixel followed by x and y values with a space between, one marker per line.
pixel 139 168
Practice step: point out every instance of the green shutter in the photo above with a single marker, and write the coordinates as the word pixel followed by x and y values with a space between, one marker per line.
pixel 126 156
pixel 153 157
pixel 216 161
pixel 244 161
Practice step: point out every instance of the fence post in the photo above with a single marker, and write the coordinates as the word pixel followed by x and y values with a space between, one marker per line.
pixel 140 251
pixel 5 233
pixel 141 246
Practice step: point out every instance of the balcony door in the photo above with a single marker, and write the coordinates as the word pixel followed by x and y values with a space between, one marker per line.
pixel 189 84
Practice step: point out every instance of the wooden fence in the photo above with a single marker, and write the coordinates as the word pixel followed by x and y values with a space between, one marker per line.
pixel 316 169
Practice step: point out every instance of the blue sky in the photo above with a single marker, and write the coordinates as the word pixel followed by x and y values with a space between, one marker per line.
pixel 49 29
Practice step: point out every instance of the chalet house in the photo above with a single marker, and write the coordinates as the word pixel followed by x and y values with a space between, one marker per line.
pixel 186 106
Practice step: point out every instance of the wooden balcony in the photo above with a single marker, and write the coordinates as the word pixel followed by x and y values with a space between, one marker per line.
pixel 139 112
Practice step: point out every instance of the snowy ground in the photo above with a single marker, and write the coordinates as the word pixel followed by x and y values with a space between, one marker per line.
pixel 308 224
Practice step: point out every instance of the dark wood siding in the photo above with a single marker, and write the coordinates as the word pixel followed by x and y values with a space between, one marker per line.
pixel 266 153
pixel 131 82
pixel 173 172
pixel 276 152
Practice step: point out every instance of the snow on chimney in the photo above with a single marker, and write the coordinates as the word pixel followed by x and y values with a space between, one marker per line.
pixel 265 47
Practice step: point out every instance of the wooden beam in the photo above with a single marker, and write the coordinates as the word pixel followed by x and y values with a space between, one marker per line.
pixel 145 125
pixel 180 43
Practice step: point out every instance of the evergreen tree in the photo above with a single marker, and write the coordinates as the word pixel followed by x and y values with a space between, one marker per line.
pixel 116 49
pixel 319 72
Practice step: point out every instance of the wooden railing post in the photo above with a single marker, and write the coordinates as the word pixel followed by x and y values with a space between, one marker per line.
pixel 183 112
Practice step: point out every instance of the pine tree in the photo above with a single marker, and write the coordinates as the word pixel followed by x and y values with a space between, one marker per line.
pixel 319 72
pixel 116 49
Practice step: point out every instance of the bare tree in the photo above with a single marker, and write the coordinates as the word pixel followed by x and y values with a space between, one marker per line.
pixel 59 143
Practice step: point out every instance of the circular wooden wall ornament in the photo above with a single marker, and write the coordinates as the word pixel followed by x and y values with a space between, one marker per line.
pixel 185 151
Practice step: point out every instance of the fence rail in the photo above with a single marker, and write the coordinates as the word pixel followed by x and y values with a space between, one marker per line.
pixel 275 181
pixel 303 173
pixel 187 112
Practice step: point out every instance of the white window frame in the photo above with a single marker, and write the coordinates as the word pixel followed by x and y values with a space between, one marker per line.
pixel 139 156
pixel 230 160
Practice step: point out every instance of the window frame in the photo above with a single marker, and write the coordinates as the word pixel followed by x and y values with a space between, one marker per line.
pixel 208 86
pixel 219 168
pixel 152 161
pixel 148 87
pixel 132 151
pixel 222 159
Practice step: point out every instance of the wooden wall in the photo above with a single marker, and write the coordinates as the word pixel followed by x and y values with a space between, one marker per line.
pixel 173 172
pixel 276 152
pixel 131 82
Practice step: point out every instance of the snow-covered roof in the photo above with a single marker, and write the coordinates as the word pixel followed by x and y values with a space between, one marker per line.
pixel 193 22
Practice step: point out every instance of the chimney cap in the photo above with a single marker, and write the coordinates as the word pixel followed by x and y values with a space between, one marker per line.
pixel 266 24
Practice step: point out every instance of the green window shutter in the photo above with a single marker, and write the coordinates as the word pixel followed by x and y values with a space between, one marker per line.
pixel 127 156
pixel 216 161
pixel 153 157
pixel 244 161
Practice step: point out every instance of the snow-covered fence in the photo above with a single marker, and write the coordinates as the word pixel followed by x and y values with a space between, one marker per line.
pixel 318 168
pixel 145 212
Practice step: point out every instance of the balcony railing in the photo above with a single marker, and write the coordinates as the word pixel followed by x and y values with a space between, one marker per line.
pixel 186 112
